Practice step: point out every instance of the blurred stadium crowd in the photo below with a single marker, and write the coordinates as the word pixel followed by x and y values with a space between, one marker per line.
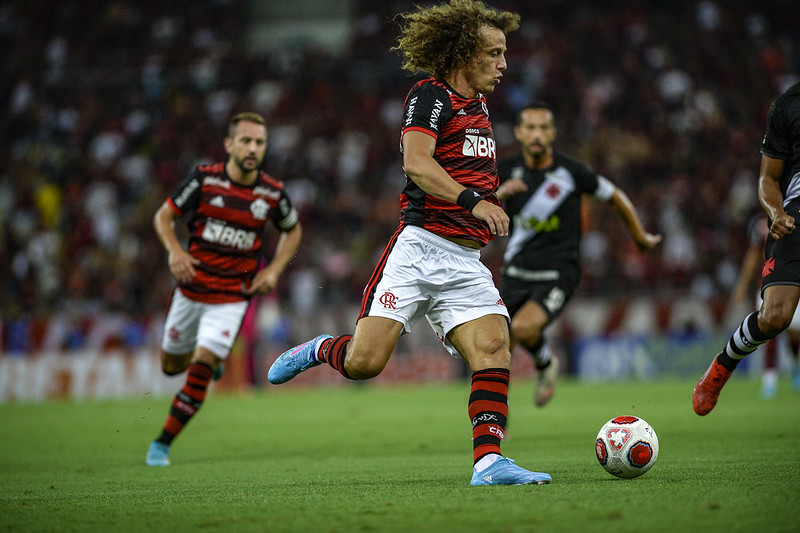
pixel 106 105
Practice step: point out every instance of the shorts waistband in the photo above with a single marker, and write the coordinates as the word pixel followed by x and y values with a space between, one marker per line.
pixel 441 242
pixel 531 275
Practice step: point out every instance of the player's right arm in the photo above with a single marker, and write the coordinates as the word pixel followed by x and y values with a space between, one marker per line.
pixel 771 197
pixel 181 263
pixel 420 166
pixel 623 207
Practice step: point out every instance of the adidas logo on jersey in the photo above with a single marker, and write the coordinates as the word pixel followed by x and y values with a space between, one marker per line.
pixel 217 201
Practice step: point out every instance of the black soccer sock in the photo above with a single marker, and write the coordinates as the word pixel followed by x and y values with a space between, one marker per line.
pixel 744 341
pixel 540 354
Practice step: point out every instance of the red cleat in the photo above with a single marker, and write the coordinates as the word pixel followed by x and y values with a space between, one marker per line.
pixel 706 392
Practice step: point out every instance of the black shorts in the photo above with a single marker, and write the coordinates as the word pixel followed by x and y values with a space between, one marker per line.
pixel 552 291
pixel 782 258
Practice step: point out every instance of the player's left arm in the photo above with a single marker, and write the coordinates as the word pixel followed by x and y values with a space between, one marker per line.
pixel 771 197
pixel 267 279
pixel 626 212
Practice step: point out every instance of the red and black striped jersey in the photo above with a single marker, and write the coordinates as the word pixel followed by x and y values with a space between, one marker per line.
pixel 226 227
pixel 465 149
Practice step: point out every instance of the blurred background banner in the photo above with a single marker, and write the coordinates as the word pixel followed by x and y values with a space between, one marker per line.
pixel 106 106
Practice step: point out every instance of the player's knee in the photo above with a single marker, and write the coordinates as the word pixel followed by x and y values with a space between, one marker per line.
pixel 773 320
pixel 172 365
pixel 495 352
pixel 362 366
pixel 526 332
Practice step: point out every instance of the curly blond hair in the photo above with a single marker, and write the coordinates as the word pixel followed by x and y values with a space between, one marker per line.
pixel 442 38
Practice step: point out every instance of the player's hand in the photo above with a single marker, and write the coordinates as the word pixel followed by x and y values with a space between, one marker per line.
pixel 782 226
pixel 511 187
pixel 264 282
pixel 181 264
pixel 494 216
pixel 648 241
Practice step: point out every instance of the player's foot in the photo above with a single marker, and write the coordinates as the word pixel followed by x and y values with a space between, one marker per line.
pixel 218 372
pixel 157 454
pixel 768 391
pixel 546 383
pixel 796 377
pixel 769 384
pixel 706 392
pixel 505 472
pixel 295 360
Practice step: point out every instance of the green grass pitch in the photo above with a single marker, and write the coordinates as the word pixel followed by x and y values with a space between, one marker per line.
pixel 372 457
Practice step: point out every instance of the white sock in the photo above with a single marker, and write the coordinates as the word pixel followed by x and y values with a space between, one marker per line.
pixel 315 353
pixel 486 461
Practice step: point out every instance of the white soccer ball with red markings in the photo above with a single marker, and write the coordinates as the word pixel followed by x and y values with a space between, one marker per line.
pixel 626 446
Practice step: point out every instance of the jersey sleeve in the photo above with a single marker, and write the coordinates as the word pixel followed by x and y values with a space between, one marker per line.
pixel 187 196
pixel 427 109
pixel 777 140
pixel 589 182
pixel 605 189
pixel 284 215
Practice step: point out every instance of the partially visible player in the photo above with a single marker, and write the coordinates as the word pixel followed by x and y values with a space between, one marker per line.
pixel 779 194
pixel 431 267
pixel 227 206
pixel 542 189
pixel 752 263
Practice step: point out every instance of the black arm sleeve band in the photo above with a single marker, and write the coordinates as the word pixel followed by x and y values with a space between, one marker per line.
pixel 468 199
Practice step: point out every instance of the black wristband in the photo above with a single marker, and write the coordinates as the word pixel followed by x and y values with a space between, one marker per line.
pixel 468 199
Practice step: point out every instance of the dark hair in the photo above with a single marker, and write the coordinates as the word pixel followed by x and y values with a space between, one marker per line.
pixel 440 39
pixel 535 104
pixel 247 117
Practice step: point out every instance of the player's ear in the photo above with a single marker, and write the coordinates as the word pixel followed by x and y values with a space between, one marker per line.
pixel 228 145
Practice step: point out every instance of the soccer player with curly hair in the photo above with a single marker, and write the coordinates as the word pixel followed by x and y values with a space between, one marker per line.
pixel 431 266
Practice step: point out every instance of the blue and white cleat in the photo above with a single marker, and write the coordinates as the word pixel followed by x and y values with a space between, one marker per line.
pixel 157 454
pixel 295 360
pixel 505 472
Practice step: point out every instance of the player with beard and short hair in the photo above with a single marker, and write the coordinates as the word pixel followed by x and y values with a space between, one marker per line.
pixel 228 206
pixel 542 189
pixel 431 267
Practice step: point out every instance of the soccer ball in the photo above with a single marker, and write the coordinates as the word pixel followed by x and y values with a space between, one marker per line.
pixel 626 446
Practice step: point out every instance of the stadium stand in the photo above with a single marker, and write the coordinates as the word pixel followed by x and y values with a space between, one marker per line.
pixel 105 105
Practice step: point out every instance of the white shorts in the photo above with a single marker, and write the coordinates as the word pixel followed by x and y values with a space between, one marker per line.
pixel 212 326
pixel 428 276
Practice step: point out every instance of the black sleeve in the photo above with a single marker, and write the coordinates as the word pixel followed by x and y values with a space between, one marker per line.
pixel 187 196
pixel 427 108
pixel 284 215
pixel 777 141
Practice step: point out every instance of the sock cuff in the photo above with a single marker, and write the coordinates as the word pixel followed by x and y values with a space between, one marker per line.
pixel 752 328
